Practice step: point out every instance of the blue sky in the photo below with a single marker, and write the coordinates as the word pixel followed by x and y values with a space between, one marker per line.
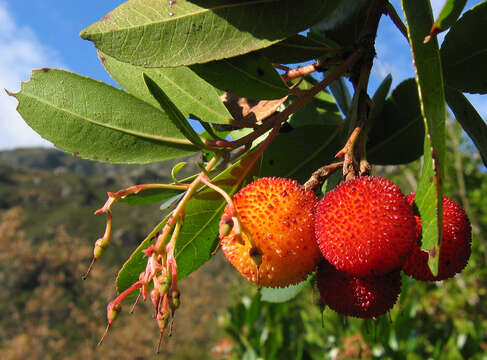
pixel 45 33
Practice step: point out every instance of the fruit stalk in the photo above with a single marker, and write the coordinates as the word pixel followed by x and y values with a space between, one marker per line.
pixel 179 211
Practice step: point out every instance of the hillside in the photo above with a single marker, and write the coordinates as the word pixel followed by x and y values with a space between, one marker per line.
pixel 48 228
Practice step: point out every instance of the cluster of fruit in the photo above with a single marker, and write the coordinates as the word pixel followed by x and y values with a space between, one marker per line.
pixel 359 236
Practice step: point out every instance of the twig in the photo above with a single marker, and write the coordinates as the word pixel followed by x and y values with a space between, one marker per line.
pixel 306 96
pixel 320 175
pixel 347 153
pixel 161 239
pixel 360 79
pixel 299 71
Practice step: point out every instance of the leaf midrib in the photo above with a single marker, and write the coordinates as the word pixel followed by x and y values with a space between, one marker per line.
pixel 130 132
pixel 394 135
pixel 466 58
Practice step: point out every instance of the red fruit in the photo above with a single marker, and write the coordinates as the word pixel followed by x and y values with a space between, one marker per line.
pixel 358 297
pixel 455 247
pixel 365 227
pixel 278 215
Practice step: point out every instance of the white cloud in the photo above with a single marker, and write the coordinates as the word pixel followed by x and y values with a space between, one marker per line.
pixel 21 52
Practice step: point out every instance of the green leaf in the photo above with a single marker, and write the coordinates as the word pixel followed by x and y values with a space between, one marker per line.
pixel 379 99
pixel 171 201
pixel 432 99
pixel 150 196
pixel 299 48
pixel 397 134
pixel 199 233
pixel 174 113
pixel 464 52
pixel 339 90
pixel 469 118
pixel 97 121
pixel 157 34
pixel 343 14
pixel 332 181
pixel 280 295
pixel 175 170
pixel 345 23
pixel 296 154
pixel 192 95
pixel 251 76
pixel 449 14
pixel 322 110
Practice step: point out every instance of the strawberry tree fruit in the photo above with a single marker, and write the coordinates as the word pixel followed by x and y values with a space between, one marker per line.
pixel 271 239
pixel 455 245
pixel 358 297
pixel 365 226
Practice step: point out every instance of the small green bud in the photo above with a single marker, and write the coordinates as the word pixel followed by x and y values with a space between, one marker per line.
pixel 162 320
pixel 175 299
pixel 100 246
pixel 165 284
pixel 226 225
pixel 112 312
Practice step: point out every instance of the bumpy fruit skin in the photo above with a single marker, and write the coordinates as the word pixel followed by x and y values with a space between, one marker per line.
pixel 455 245
pixel 365 226
pixel 358 297
pixel 278 214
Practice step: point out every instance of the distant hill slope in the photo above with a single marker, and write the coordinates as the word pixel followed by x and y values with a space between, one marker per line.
pixel 47 199
pixel 57 188
pixel 53 159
